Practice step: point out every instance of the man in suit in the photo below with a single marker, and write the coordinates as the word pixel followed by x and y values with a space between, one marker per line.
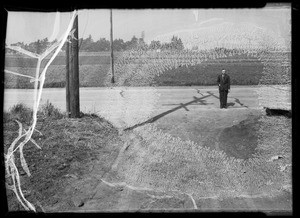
pixel 224 88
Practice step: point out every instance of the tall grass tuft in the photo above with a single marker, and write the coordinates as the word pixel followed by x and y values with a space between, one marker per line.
pixel 19 112
pixel 49 111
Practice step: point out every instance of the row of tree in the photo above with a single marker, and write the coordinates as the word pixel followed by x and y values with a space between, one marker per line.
pixel 89 45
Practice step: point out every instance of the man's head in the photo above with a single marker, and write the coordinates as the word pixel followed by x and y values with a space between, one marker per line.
pixel 223 71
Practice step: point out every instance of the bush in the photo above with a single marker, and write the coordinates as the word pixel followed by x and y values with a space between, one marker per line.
pixel 48 110
pixel 24 114
pixel 19 112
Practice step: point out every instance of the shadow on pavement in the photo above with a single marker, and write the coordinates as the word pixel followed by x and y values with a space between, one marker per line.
pixel 181 105
pixel 153 119
pixel 231 103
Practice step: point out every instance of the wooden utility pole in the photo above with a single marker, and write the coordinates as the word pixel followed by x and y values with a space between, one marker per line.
pixel 111 48
pixel 68 76
pixel 74 72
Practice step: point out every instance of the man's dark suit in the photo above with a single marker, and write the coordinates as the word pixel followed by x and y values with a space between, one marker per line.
pixel 224 86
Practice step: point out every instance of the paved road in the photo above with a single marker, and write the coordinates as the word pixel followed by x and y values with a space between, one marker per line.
pixel 127 106
pixel 136 104
pixel 93 99
pixel 141 102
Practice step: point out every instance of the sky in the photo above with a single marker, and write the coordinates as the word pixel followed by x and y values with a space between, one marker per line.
pixel 30 26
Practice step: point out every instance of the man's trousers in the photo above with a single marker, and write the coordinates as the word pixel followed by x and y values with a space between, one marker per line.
pixel 223 98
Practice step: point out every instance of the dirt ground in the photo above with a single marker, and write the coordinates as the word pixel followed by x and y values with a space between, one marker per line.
pixel 88 165
pixel 69 150
pixel 236 132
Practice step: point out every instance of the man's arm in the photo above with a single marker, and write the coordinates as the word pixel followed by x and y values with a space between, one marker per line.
pixel 218 81
pixel 228 82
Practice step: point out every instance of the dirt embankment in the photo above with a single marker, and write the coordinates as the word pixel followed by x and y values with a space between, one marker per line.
pixel 70 148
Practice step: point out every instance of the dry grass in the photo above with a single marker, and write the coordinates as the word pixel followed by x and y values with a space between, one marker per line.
pixel 67 148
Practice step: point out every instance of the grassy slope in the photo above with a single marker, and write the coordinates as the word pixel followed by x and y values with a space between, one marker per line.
pixel 68 146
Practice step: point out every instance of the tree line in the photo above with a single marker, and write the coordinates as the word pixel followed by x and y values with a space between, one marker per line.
pixel 89 45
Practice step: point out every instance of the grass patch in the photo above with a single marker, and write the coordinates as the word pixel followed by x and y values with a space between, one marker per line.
pixel 49 111
pixel 207 73
pixel 18 112
pixel 94 71
pixel 68 146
